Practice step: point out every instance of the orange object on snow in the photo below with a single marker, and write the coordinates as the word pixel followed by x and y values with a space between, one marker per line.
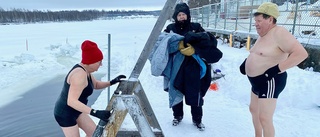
pixel 214 86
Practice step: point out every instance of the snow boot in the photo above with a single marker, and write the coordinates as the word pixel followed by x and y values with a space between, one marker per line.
pixel 199 126
pixel 176 121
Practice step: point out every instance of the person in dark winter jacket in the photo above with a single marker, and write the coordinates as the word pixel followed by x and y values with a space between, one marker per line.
pixel 189 80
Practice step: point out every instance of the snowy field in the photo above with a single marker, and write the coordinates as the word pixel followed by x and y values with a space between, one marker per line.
pixel 32 54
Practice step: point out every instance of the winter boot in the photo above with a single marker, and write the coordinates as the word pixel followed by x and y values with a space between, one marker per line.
pixel 176 120
pixel 199 126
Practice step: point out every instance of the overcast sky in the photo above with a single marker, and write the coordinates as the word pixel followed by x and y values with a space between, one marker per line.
pixel 83 4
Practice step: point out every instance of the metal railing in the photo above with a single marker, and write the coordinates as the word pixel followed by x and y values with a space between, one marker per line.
pixel 302 19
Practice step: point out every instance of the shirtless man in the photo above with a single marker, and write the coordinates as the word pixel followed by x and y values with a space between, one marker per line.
pixel 275 51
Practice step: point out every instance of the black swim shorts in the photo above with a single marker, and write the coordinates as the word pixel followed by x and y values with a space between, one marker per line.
pixel 66 121
pixel 268 88
pixel 65 115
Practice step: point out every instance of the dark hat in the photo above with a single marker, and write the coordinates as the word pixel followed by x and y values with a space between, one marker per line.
pixel 90 52
pixel 181 7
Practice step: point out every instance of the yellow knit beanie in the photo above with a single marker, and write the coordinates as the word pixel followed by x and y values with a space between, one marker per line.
pixel 270 9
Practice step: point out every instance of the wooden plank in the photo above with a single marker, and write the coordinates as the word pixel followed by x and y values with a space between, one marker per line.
pixel 117 118
pixel 102 124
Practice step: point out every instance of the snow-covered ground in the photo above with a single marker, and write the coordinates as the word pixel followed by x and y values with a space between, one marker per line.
pixel 54 47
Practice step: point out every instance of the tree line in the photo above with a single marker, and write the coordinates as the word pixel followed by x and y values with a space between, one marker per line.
pixel 15 15
pixel 28 16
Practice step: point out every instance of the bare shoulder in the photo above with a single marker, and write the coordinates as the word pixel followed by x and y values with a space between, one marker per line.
pixel 78 75
pixel 285 40
pixel 280 28
pixel 281 31
pixel 282 34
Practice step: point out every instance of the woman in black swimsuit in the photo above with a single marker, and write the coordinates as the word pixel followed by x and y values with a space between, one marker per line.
pixel 71 110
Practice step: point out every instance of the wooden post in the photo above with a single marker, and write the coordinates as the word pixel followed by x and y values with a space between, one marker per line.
pixel 230 40
pixel 248 42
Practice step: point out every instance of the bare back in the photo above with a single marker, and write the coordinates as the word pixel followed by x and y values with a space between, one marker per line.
pixel 265 54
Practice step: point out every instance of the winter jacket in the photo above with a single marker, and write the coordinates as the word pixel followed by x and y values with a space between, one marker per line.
pixel 159 55
pixel 188 81
pixel 171 68
pixel 205 45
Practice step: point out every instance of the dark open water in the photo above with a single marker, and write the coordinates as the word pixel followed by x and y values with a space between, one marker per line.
pixel 32 115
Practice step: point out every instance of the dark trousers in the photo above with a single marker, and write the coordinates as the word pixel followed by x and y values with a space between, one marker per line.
pixel 196 112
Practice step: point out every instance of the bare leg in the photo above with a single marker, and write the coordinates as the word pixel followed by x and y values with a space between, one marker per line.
pixel 266 110
pixel 254 109
pixel 71 131
pixel 86 124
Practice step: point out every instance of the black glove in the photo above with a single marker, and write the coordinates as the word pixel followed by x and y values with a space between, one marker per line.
pixel 243 67
pixel 101 114
pixel 272 72
pixel 117 79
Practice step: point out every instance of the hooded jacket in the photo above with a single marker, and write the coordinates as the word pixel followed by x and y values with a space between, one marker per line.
pixel 182 27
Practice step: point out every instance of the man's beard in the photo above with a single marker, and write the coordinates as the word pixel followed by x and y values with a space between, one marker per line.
pixel 183 22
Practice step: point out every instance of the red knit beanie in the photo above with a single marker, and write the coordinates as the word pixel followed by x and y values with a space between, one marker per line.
pixel 90 52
